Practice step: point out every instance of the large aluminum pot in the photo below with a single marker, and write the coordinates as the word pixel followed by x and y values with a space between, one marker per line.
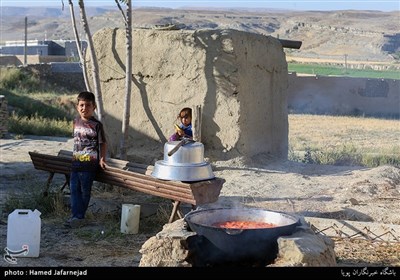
pixel 241 244
pixel 185 164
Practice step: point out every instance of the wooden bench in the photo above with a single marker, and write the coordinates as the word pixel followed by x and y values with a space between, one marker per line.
pixel 136 177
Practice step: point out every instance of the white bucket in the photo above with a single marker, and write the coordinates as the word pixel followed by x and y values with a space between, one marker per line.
pixel 130 217
pixel 23 233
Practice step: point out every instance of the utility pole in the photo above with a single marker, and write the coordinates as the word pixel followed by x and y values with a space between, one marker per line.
pixel 345 63
pixel 26 41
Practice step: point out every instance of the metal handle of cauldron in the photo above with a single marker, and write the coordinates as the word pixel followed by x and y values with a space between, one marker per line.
pixel 180 144
pixel 174 149
pixel 232 231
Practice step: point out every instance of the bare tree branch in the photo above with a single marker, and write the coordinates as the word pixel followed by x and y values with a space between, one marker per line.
pixel 122 11
pixel 78 45
pixel 128 81
pixel 93 60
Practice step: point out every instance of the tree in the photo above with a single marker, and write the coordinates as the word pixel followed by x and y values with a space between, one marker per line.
pixel 78 45
pixel 128 75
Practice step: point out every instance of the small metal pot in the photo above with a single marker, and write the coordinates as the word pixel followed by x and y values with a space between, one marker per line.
pixel 185 164
pixel 243 243
pixel 188 153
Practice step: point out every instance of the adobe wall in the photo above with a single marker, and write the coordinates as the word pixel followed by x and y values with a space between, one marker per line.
pixel 343 95
pixel 17 60
pixel 9 60
pixel 68 78
pixel 238 78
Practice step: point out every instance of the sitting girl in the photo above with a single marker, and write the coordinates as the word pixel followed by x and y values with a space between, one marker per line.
pixel 184 129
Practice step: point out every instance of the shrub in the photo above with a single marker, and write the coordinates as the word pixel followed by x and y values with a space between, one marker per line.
pixel 15 78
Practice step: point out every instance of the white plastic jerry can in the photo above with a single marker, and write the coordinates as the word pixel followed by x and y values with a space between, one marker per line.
pixel 130 217
pixel 23 233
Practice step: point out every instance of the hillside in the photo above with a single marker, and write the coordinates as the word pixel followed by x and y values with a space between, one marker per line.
pixel 358 35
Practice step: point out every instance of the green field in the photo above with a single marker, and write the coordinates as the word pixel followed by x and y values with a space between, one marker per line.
pixel 322 70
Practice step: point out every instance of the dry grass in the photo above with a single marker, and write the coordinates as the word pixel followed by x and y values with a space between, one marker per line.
pixel 359 136
pixel 360 252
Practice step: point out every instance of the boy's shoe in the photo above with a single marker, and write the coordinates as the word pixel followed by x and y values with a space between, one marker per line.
pixel 67 223
pixel 74 223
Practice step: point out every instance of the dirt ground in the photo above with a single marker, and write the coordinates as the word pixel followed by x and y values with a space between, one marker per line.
pixel 334 192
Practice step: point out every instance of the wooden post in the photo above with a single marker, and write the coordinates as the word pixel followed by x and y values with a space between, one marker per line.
pixel 197 123
pixel 46 190
pixel 175 209
pixel 26 42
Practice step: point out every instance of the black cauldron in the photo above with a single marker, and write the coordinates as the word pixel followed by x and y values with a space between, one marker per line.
pixel 242 244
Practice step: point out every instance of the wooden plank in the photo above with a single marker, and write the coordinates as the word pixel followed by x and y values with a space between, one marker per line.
pixel 120 173
pixel 65 153
pixel 207 191
pixel 153 180
pixel 117 163
pixel 148 189
pixel 129 166
pixel 128 177
pixel 57 164
pixel 53 169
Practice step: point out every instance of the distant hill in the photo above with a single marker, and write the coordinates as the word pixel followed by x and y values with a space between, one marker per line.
pixel 358 35
pixel 44 12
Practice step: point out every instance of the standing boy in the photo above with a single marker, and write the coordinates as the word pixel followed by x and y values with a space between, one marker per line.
pixel 89 154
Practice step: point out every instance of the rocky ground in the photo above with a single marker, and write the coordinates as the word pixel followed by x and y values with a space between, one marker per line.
pixel 332 192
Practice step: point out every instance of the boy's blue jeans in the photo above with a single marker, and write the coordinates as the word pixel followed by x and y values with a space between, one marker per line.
pixel 81 187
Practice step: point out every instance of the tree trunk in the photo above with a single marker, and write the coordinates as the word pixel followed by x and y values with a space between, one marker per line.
pixel 78 45
pixel 95 66
pixel 128 80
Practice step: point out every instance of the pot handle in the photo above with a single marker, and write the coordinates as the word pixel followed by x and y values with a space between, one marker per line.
pixel 184 141
pixel 181 143
pixel 233 231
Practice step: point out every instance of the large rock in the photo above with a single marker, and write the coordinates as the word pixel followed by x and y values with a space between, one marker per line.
pixel 238 78
pixel 167 248
pixel 305 248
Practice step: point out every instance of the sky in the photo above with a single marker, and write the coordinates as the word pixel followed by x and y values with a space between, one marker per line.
pixel 379 5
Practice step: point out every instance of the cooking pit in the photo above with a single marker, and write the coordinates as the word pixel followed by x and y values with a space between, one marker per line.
pixel 267 238
pixel 238 235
